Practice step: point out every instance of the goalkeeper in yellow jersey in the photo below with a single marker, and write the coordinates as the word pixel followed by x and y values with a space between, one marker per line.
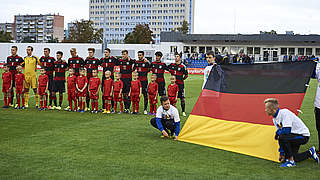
pixel 30 67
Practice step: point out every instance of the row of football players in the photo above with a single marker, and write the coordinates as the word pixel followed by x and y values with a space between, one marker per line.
pixel 79 88
pixel 126 64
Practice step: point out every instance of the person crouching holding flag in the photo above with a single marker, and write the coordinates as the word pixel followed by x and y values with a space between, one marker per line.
pixel 167 118
pixel 291 133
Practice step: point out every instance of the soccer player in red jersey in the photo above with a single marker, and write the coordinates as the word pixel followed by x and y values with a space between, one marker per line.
pixel 19 80
pixel 6 85
pixel 71 85
pixel 13 61
pixel 91 63
pixel 117 92
pixel 126 64
pixel 60 68
pixel 173 90
pixel 152 92
pixel 107 92
pixel 180 71
pixel 135 92
pixel 81 85
pixel 48 64
pixel 94 86
pixel 158 67
pixel 142 66
pixel 43 82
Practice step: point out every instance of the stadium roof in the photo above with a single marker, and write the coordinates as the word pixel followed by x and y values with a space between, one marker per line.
pixel 179 37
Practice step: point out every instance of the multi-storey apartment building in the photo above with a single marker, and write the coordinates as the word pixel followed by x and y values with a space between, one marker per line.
pixel 7 27
pixel 39 28
pixel 119 17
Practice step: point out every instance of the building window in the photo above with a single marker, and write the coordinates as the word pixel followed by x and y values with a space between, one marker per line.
pixel 308 51
pixel 257 50
pixel 284 51
pixel 193 49
pixel 249 50
pixel 202 49
pixel 301 51
pixel 173 49
pixel 291 51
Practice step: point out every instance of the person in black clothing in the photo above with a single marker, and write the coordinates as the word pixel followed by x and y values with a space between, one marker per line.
pixel 126 64
pixel 48 64
pixel 108 63
pixel 142 66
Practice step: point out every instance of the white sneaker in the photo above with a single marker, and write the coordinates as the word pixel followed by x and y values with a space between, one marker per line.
pixel 58 108
pixel 314 154
pixel 184 114
pixel 67 108
pixel 145 112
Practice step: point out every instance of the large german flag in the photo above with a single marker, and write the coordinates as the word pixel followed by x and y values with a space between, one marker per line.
pixel 229 113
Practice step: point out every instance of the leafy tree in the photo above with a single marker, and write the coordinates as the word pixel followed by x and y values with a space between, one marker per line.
pixel 271 32
pixel 55 40
pixel 184 27
pixel 5 36
pixel 140 35
pixel 83 32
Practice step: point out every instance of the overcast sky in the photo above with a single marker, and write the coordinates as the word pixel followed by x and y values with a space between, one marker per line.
pixel 211 16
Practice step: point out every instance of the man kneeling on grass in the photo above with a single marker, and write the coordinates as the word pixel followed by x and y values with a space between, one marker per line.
pixel 291 133
pixel 167 118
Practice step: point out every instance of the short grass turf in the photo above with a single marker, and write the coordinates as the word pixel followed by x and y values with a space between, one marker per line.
pixel 66 145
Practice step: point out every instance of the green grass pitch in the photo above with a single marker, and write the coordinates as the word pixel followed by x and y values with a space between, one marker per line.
pixel 66 145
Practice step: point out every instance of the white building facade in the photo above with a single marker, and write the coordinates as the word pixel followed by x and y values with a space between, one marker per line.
pixel 119 17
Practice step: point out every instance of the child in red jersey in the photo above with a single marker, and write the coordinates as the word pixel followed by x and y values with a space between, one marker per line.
pixel 81 85
pixel 107 91
pixel 173 90
pixel 135 93
pixel 71 85
pixel 152 92
pixel 6 85
pixel 42 88
pixel 94 86
pixel 19 80
pixel 117 92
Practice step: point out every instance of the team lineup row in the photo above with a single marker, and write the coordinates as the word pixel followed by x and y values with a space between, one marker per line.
pixel 133 75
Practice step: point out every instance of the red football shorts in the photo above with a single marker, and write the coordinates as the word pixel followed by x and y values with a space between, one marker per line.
pixel 19 90
pixel 42 91
pixel 135 98
pixel 116 97
pixel 94 95
pixel 172 100
pixel 5 88
pixel 82 94
pixel 72 94
pixel 108 98
pixel 152 99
